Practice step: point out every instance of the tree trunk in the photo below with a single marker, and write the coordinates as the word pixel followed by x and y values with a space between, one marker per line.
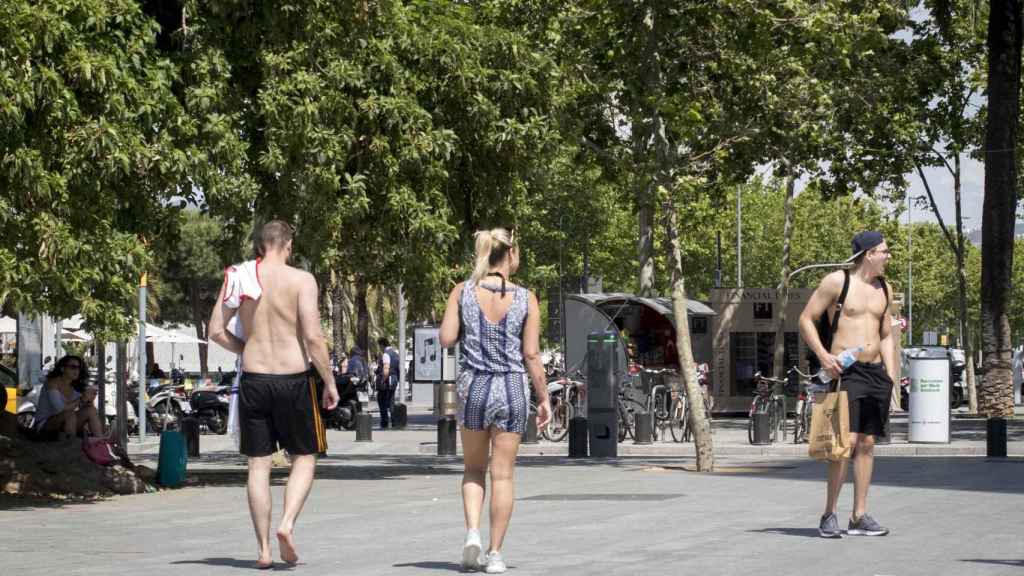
pixel 338 333
pixel 1000 206
pixel 200 319
pixel 644 131
pixel 362 317
pixel 778 365
pixel 961 274
pixel 699 423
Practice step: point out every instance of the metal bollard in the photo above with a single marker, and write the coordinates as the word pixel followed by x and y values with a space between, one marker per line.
pixel 364 427
pixel 399 416
pixel 578 437
pixel 530 434
pixel 644 428
pixel 446 437
pixel 190 428
pixel 762 428
pixel 995 437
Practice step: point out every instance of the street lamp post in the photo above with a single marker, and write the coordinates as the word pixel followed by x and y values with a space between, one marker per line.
pixel 910 274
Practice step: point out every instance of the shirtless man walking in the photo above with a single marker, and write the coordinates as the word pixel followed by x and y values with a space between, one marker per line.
pixel 863 321
pixel 279 315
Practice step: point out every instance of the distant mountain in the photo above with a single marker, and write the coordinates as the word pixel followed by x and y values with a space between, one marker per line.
pixel 974 236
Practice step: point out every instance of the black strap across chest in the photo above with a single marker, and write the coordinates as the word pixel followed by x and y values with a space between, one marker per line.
pixel 842 298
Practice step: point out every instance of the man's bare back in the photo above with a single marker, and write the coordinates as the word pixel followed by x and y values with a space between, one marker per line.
pixel 274 324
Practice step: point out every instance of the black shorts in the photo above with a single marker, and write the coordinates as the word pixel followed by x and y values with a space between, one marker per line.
pixel 869 390
pixel 280 410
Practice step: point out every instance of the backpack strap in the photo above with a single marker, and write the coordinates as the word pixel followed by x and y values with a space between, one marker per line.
pixel 839 302
pixel 885 289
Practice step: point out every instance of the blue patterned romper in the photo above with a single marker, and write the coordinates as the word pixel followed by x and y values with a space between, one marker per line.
pixel 492 383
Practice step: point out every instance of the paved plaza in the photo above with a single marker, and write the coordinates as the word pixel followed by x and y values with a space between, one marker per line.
pixel 392 507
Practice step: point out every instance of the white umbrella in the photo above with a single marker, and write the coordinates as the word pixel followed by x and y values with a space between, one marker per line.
pixel 72 336
pixel 172 337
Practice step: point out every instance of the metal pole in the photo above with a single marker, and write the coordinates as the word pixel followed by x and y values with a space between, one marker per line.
pixel 58 339
pixel 561 291
pixel 739 237
pixel 718 259
pixel 401 344
pixel 910 274
pixel 122 394
pixel 812 266
pixel 101 381
pixel 141 414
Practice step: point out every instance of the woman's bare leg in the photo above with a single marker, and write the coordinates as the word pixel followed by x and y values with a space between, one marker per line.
pixel 475 448
pixel 503 461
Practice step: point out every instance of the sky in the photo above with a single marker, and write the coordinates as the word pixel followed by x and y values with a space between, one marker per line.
pixel 972 178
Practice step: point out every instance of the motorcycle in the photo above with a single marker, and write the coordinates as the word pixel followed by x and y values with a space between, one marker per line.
pixel 211 408
pixel 353 397
pixel 164 407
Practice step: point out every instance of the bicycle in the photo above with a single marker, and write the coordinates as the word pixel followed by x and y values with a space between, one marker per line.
pixel 567 398
pixel 804 405
pixel 660 402
pixel 767 399
pixel 680 426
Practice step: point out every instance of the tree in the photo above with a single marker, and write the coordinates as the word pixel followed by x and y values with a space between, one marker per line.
pixel 191 273
pixel 90 155
pixel 1005 33
pixel 949 48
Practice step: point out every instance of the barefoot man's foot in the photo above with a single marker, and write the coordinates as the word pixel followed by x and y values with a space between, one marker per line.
pixel 264 563
pixel 288 554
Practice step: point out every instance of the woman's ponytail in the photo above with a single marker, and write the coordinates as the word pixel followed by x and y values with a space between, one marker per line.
pixel 484 244
pixel 492 247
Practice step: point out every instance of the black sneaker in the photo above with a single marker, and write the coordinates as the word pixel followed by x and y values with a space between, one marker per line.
pixel 829 527
pixel 866 526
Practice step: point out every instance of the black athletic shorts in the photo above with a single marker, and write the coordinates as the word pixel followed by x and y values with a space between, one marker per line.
pixel 869 390
pixel 280 410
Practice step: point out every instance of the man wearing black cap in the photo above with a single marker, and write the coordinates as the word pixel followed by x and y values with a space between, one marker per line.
pixel 860 298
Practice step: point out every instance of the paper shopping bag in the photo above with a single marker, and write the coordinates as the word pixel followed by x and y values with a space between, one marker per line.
pixel 830 427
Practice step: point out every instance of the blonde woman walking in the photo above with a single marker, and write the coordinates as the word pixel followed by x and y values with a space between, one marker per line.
pixel 497 325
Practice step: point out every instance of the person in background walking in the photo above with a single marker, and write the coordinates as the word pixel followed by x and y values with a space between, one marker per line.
pixel 497 325
pixel 387 381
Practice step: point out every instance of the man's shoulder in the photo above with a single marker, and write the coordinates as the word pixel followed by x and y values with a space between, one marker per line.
pixel 299 275
pixel 833 282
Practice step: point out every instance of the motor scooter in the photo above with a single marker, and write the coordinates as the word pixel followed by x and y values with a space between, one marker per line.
pixel 353 398
pixel 211 407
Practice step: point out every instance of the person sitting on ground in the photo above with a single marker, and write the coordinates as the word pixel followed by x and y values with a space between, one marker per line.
pixel 66 402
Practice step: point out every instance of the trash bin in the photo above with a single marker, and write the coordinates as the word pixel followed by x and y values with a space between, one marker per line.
pixel 761 427
pixel 190 428
pixel 929 399
pixel 172 459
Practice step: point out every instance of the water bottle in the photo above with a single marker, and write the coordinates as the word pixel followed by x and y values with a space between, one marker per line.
pixel 846 358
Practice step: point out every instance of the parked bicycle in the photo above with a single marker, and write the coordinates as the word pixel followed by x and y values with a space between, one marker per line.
pixel 568 398
pixel 808 386
pixel 768 399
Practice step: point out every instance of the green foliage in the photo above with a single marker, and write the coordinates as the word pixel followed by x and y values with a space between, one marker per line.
pixel 88 156
pixel 386 132
pixel 191 263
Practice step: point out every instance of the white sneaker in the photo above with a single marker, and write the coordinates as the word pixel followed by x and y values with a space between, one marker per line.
pixel 471 551
pixel 494 563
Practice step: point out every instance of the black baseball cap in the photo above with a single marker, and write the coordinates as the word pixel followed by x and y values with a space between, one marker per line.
pixel 863 242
